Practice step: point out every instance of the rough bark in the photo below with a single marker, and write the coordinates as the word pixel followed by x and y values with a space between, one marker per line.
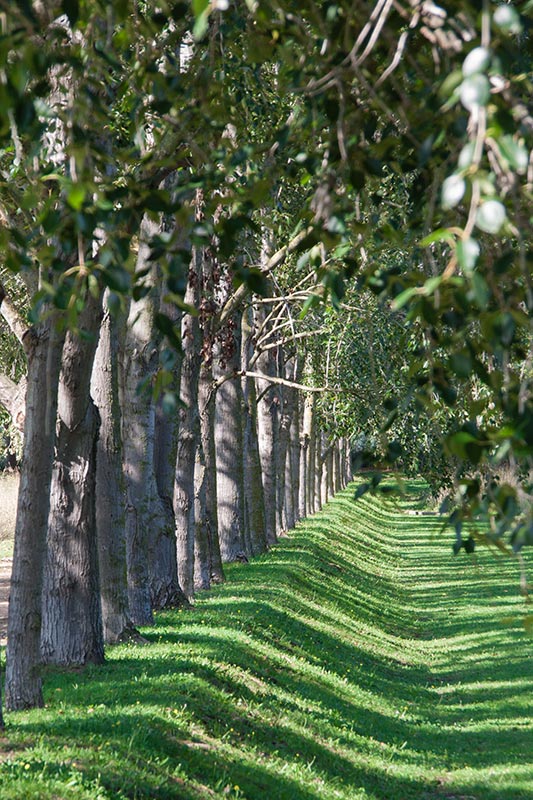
pixel 347 462
pixel 138 431
pixel 292 484
pixel 306 417
pixel 229 444
pixel 202 555
pixel 267 419
pixel 327 486
pixel 72 622
pixel 72 632
pixel 319 464
pixel 110 492
pixel 288 401
pixel 189 434
pixel 209 511
pixel 254 498
pixel 309 439
pixel 337 467
pixel 165 591
pixel 23 685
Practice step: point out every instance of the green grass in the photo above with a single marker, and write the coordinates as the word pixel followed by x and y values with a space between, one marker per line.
pixel 358 659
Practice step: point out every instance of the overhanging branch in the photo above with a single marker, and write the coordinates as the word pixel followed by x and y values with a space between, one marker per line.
pixel 275 260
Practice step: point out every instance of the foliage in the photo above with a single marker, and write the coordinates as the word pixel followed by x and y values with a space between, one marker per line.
pixel 325 668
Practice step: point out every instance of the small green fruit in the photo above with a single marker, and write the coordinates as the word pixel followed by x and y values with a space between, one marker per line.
pixel 476 61
pixel 507 18
pixel 474 92
pixel 468 251
pixel 466 155
pixel 453 189
pixel 490 216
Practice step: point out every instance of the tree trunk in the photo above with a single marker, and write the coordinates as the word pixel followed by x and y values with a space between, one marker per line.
pixel 229 444
pixel 189 434
pixel 138 431
pixel 309 433
pixel 23 681
pixel 207 558
pixel 72 632
pixel 303 505
pixel 337 467
pixel 110 508
pixel 165 591
pixel 267 424
pixel 347 462
pixel 288 400
pixel 254 498
pixel 319 464
pixel 292 486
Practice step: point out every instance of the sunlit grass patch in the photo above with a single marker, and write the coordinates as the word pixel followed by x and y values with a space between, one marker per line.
pixel 358 659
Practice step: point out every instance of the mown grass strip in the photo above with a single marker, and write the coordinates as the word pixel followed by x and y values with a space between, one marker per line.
pixel 358 659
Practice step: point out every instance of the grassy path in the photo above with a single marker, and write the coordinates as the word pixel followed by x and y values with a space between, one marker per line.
pixel 358 659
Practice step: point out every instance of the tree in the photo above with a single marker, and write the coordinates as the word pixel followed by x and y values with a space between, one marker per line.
pixel 324 154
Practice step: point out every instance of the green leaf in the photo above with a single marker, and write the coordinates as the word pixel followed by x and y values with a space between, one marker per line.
pixel 117 278
pixel 403 298
pixel 440 235
pixel 312 301
pixel 515 153
pixel 200 6
pixel 76 196
pixel 168 326
pixel 201 9
pixel 480 290
pixel 458 442
pixel 461 364
pixel 450 83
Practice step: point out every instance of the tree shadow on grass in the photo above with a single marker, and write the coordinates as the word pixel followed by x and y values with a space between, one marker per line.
pixel 276 686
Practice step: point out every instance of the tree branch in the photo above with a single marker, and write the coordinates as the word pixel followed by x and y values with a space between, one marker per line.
pixel 12 398
pixel 15 321
pixel 284 382
pixel 275 260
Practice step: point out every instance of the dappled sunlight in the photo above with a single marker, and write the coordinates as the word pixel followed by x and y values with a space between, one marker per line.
pixel 346 662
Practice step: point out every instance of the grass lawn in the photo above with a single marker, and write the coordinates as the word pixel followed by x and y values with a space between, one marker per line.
pixel 358 659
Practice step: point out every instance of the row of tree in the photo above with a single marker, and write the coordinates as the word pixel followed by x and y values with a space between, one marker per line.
pixel 183 186
pixel 136 499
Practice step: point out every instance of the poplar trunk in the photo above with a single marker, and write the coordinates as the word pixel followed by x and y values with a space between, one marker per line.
pixel 23 685
pixel 72 632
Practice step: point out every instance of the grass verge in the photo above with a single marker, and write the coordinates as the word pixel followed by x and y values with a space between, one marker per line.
pixel 358 659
